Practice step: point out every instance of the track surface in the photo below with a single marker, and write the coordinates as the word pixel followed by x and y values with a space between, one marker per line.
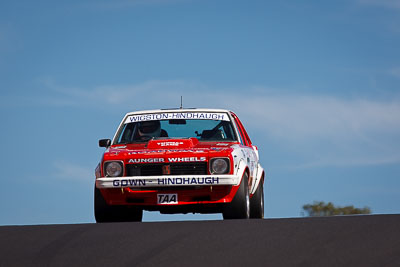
pixel 330 241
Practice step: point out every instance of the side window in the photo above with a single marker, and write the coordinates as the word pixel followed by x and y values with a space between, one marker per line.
pixel 241 135
pixel 242 131
pixel 245 133
pixel 241 140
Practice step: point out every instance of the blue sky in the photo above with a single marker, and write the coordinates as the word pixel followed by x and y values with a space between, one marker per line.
pixel 316 84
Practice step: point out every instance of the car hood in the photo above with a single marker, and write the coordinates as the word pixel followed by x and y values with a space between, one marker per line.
pixel 188 149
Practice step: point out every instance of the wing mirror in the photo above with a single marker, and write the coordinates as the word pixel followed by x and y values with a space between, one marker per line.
pixel 104 142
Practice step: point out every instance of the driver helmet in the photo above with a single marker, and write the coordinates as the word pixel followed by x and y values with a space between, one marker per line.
pixel 150 128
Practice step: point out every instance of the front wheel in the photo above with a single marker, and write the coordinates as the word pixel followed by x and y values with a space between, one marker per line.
pixel 257 202
pixel 109 213
pixel 239 208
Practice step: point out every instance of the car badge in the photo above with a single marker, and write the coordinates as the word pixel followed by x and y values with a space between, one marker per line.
pixel 166 169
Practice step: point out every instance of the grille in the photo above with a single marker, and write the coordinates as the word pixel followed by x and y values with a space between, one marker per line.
pixel 186 168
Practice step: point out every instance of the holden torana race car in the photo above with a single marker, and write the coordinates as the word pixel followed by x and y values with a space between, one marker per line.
pixel 179 161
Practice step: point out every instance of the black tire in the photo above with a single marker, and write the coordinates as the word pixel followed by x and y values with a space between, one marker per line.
pixel 107 213
pixel 257 202
pixel 239 208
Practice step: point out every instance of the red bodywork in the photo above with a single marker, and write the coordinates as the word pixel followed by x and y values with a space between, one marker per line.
pixel 155 150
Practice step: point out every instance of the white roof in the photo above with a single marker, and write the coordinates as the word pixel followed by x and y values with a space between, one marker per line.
pixel 177 110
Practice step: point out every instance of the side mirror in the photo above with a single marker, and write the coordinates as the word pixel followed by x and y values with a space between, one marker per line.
pixel 104 142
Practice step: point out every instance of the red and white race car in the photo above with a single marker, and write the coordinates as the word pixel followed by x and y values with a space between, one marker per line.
pixel 179 161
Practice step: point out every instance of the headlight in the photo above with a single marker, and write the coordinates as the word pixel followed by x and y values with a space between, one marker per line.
pixel 113 168
pixel 219 165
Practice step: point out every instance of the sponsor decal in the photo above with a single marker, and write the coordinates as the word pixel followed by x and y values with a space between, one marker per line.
pixel 188 181
pixel 177 116
pixel 187 159
pixel 149 160
pixel 129 182
pixel 166 181
pixel 119 147
pixel 169 143
pixel 165 150
pixel 145 152
pixel 172 160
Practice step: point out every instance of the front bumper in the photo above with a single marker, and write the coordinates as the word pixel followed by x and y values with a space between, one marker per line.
pixel 191 190
pixel 163 181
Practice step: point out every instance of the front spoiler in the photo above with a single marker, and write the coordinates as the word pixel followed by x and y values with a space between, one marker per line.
pixel 162 181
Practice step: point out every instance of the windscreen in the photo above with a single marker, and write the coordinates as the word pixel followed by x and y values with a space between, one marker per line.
pixel 176 127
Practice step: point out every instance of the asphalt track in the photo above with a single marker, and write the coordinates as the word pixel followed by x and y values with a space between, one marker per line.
pixel 326 241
